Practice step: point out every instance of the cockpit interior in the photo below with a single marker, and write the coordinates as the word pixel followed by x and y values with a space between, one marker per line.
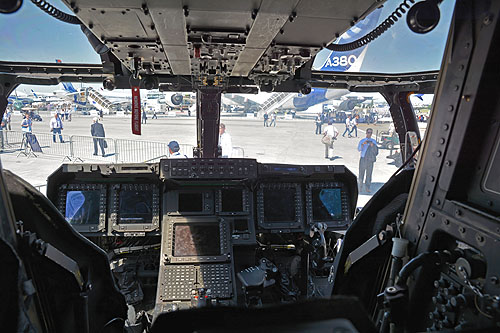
pixel 213 244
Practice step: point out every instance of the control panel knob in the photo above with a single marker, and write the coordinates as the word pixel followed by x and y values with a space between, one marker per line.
pixel 447 323
pixel 438 299
pixel 451 291
pixel 441 283
pixel 458 301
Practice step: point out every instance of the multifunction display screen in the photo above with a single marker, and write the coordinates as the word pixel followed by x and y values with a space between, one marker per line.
pixel 136 206
pixel 190 202
pixel 196 240
pixel 83 207
pixel 279 205
pixel 327 204
pixel 232 200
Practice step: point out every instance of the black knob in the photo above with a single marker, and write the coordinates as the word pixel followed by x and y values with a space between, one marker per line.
pixel 447 323
pixel 441 283
pixel 458 301
pixel 437 315
pixel 438 299
pixel 451 291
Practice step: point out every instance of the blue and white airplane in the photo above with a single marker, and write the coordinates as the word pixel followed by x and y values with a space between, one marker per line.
pixel 329 61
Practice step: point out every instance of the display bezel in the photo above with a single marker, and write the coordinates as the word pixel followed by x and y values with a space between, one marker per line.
pixel 86 228
pixel 297 223
pixel 140 228
pixel 338 224
pixel 225 249
pixel 245 198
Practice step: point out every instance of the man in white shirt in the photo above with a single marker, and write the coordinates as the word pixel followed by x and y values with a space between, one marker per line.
pixel 354 126
pixel 347 126
pixel 329 136
pixel 225 142
pixel 56 126
pixel 173 149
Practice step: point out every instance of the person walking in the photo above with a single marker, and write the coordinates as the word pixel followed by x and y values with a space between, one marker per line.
pixel 266 117
pixel 144 117
pixel 225 142
pixel 329 136
pixel 98 135
pixel 347 126
pixel 319 123
pixel 273 120
pixel 368 155
pixel 354 126
pixel 154 115
pixel 56 126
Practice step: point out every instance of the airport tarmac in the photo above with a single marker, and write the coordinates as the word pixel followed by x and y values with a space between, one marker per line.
pixel 290 142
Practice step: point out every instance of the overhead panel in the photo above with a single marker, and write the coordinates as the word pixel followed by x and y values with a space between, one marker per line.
pixel 270 18
pixel 170 23
pixel 127 29
pixel 263 40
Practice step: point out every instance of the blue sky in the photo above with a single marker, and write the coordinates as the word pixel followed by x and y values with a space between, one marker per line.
pixel 32 35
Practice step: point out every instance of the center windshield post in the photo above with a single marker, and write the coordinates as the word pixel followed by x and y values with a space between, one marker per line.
pixel 208 102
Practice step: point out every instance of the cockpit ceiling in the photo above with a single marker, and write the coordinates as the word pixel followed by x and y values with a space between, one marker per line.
pixel 219 39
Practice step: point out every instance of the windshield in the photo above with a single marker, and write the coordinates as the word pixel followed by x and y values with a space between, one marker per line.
pixel 291 132
pixel 270 127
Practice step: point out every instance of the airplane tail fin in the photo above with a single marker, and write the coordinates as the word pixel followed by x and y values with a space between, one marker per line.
pixel 69 87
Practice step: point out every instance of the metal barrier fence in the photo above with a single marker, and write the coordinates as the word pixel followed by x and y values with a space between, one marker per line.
pixel 238 152
pixel 13 140
pixel 78 147
pixel 87 147
pixel 139 151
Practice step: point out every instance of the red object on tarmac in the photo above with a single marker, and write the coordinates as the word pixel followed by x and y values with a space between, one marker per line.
pixel 136 110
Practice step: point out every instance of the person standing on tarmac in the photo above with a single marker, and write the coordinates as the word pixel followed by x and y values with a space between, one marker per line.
pixel 319 122
pixel 369 151
pixel 329 136
pixel 266 117
pixel 97 132
pixel 56 126
pixel 225 142
pixel 273 119
pixel 144 117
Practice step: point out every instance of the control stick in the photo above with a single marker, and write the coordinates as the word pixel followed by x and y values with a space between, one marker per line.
pixel 320 228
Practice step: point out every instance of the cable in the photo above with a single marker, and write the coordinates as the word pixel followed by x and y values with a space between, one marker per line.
pixel 54 12
pixel 375 33
pixel 408 160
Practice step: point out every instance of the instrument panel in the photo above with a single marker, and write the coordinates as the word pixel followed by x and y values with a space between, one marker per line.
pixel 205 213
pixel 245 193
